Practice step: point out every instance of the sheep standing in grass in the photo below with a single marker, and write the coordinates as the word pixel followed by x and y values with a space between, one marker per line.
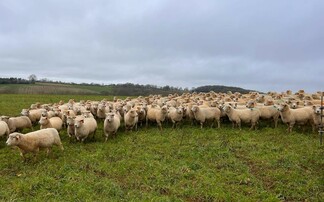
pixel 4 129
pixel 131 119
pixel 85 127
pixel 19 123
pixel 34 114
pixel 301 116
pixel 111 124
pixel 141 111
pixel 267 112
pixel 202 114
pixel 156 114
pixel 175 114
pixel 237 116
pixel 54 122
pixel 34 141
pixel 70 126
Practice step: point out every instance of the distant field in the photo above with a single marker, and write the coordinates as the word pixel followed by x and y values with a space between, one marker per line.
pixel 53 88
pixel 186 164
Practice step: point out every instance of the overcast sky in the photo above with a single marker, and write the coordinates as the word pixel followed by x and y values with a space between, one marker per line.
pixel 261 45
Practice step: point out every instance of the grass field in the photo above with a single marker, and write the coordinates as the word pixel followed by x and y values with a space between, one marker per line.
pixel 185 164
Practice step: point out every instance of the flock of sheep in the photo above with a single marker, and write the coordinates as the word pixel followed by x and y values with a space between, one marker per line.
pixel 80 118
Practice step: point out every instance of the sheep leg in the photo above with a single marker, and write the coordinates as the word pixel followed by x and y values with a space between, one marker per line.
pixel 22 154
pixel 218 123
pixel 201 124
pixel 93 135
pixel 107 135
pixel 48 151
pixel 275 122
pixel 160 125
pixel 239 125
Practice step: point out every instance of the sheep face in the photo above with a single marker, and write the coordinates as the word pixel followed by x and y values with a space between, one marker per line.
pixel 317 110
pixel 294 105
pixel 70 120
pixel 283 107
pixel 78 123
pixel 14 139
pixel 180 110
pixel 110 117
pixel 250 104
pixel 44 114
pixel 194 109
pixel 25 112
pixel 164 109
pixel 43 120
pixel 133 113
pixel 227 108
pixel 57 112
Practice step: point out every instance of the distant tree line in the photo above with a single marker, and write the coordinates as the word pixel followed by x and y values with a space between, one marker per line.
pixel 130 89
pixel 13 80
pixel 137 89
pixel 220 88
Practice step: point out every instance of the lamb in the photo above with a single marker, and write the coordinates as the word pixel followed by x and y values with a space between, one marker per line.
pixel 34 141
pixel 237 116
pixel 19 123
pixel 111 124
pixel 84 127
pixel 175 114
pixel 267 112
pixel 54 122
pixel 156 114
pixel 4 129
pixel 206 113
pixel 300 116
pixel 131 119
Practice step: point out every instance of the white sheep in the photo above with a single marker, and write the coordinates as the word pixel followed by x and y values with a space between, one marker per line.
pixel 101 111
pixel 141 111
pixel 175 114
pixel 19 123
pixel 317 116
pixel 156 114
pixel 54 122
pixel 203 114
pixel 237 116
pixel 267 112
pixel 301 116
pixel 34 114
pixel 4 129
pixel 131 119
pixel 111 124
pixel 85 127
pixel 34 141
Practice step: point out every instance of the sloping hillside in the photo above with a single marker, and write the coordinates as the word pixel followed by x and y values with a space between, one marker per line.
pixel 127 89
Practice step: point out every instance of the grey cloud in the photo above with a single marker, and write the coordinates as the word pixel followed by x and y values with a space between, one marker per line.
pixel 264 46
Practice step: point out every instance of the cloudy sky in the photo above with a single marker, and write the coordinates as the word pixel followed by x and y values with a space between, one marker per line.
pixel 261 45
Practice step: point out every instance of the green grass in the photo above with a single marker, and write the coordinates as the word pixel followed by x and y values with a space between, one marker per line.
pixel 53 88
pixel 186 164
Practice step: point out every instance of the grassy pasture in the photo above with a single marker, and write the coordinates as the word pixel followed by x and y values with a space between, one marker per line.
pixel 185 164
